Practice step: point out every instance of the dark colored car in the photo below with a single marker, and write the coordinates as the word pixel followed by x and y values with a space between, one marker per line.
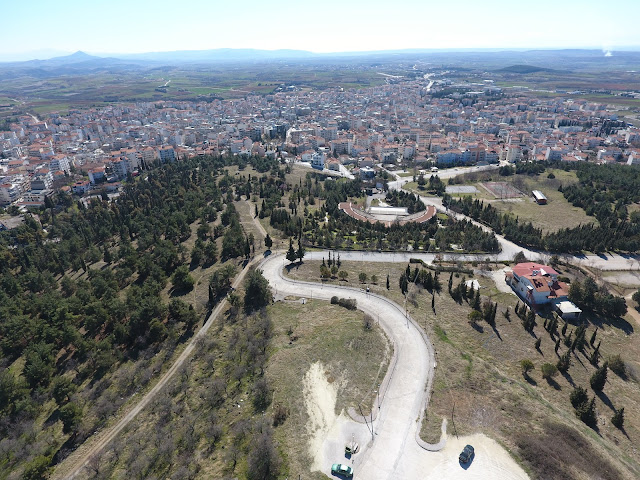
pixel 342 470
pixel 466 454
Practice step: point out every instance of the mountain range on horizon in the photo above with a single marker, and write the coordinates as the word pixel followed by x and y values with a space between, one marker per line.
pixel 524 61
pixel 252 54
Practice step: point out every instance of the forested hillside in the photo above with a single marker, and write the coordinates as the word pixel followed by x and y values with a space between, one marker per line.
pixel 90 302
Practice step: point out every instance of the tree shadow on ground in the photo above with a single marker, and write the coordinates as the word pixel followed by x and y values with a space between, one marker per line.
pixel 569 378
pixel 495 330
pixel 616 322
pixel 552 383
pixel 477 327
pixel 606 400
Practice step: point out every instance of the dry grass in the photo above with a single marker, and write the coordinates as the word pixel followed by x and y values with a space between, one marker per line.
pixel 303 334
pixel 354 359
pixel 478 372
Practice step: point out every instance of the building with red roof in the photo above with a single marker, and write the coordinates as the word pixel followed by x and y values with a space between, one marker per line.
pixel 537 284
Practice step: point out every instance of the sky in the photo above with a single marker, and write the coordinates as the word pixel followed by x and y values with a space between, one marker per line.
pixel 33 28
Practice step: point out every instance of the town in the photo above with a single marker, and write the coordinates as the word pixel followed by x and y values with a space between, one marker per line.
pixel 407 123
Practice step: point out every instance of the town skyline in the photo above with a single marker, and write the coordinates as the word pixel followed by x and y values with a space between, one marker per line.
pixel 132 27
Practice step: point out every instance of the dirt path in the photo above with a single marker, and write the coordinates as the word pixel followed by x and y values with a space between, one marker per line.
pixel 257 223
pixel 75 463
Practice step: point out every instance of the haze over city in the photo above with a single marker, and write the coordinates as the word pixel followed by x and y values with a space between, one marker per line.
pixel 42 29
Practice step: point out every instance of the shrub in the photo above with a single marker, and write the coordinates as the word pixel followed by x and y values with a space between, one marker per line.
pixel 348 303
pixel 549 370
pixel 527 366
pixel 617 366
pixel 280 414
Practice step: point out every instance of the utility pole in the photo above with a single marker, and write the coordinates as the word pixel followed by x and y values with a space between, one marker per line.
pixel 365 421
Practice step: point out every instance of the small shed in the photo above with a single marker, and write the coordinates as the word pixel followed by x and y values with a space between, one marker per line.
pixel 568 310
pixel 539 197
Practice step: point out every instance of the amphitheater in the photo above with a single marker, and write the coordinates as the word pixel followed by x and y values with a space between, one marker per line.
pixel 387 215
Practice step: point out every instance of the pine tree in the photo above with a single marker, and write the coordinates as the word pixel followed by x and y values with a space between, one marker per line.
pixel 300 252
pixel 291 253
pixel 599 378
pixel 587 412
pixel 107 254
pixel 618 418
pixel 593 337
pixel 450 282
pixel 578 397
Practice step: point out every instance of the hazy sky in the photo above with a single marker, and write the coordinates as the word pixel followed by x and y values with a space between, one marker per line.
pixel 129 26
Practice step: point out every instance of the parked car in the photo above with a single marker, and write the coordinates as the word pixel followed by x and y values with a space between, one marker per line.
pixel 342 470
pixel 466 454
pixel 351 448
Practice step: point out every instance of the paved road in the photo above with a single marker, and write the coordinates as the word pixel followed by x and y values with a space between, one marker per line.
pixel 394 453
pixel 605 262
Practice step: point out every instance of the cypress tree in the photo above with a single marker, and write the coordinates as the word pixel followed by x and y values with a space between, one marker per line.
pixel 564 362
pixel 595 355
pixel 599 378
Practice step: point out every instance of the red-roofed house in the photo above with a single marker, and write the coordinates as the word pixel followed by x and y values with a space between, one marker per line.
pixel 537 284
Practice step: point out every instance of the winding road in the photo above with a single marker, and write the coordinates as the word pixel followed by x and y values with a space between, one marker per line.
pixel 394 453
pixel 394 450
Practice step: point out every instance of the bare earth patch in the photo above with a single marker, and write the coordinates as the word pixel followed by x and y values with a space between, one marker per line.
pixel 320 401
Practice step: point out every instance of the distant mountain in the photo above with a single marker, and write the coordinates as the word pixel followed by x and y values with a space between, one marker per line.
pixel 515 61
